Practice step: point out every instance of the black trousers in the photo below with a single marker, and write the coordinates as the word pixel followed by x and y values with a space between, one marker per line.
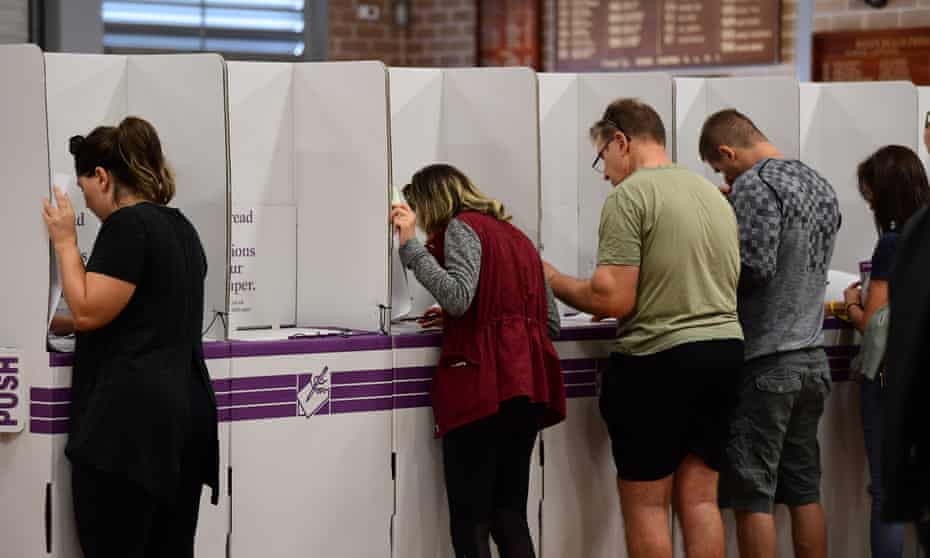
pixel 119 519
pixel 487 469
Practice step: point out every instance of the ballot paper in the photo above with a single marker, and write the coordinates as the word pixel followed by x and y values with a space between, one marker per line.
pixel 837 282
pixel 64 182
pixel 280 334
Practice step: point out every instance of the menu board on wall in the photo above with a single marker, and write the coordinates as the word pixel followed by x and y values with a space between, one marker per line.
pixel 889 54
pixel 509 33
pixel 604 35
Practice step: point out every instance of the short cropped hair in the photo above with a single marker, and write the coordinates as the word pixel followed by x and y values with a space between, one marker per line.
pixel 727 127
pixel 633 118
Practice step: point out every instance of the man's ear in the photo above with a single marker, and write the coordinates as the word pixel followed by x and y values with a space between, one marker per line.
pixel 727 153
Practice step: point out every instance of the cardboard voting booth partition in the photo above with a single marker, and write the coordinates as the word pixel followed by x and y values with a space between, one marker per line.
pixel 485 123
pixel 86 91
pixel 771 103
pixel 840 127
pixel 581 510
pixel 923 108
pixel 342 163
pixel 25 450
pixel 263 190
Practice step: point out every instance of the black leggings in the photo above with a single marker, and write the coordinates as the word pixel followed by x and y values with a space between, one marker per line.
pixel 487 469
pixel 117 518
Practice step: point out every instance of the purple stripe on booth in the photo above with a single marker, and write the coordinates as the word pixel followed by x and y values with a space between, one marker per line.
pixel 44 426
pixel 580 391
pixel 263 412
pixel 223 415
pixel 412 401
pixel 44 410
pixel 842 350
pixel 412 387
pixel 415 373
pixel 588 333
pixel 263 382
pixel 361 376
pixel 50 395
pixel 575 378
pixel 579 364
pixel 362 405
pixel 355 341
pixel 836 324
pixel 221 385
pixel 260 397
pixel 417 340
pixel 385 389
pixel 60 359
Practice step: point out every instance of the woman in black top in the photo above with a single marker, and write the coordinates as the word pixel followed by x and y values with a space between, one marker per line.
pixel 143 434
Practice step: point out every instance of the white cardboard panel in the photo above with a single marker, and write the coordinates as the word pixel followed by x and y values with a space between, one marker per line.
pixel 558 117
pixel 923 106
pixel 490 131
pixel 342 142
pixel 840 127
pixel 25 465
pixel 263 264
pixel 595 92
pixel 772 103
pixel 83 91
pixel 317 486
pixel 416 113
pixel 191 123
pixel 581 509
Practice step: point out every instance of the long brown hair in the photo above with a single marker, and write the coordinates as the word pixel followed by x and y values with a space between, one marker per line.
pixel 894 182
pixel 439 192
pixel 132 153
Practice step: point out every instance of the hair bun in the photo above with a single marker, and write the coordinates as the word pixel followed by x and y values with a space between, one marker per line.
pixel 75 144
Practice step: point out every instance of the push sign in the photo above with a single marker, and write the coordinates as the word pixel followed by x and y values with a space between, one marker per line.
pixel 10 393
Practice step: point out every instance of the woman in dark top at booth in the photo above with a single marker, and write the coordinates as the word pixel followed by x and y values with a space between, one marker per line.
pixel 498 380
pixel 894 184
pixel 143 433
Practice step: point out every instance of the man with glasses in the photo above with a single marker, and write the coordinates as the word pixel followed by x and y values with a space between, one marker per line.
pixel 668 265
pixel 788 219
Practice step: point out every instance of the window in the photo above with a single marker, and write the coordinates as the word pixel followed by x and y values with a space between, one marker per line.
pixel 247 29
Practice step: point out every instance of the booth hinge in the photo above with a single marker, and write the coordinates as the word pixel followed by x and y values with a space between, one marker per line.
pixel 384 318
pixel 542 452
pixel 393 465
pixel 48 518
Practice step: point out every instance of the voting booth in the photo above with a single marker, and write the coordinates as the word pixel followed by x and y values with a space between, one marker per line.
pixel 86 91
pixel 484 122
pixel 840 127
pixel 25 452
pixel 772 103
pixel 309 147
pixel 581 510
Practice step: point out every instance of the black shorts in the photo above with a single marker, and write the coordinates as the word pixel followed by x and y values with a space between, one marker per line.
pixel 661 407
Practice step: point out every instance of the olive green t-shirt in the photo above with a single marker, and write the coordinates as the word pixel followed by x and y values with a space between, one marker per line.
pixel 682 233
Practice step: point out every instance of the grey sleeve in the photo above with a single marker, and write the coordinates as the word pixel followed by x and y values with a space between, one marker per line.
pixel 759 218
pixel 453 287
pixel 553 320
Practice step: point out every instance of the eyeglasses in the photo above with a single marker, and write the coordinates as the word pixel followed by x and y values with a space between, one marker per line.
pixel 599 164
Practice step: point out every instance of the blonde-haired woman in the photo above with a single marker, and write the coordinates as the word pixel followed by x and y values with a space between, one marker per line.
pixel 143 436
pixel 498 380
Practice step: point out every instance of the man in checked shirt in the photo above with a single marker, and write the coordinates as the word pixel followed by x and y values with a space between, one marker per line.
pixel 788 217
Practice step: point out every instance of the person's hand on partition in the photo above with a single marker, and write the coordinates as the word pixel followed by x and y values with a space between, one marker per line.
pixel 431 318
pixel 405 222
pixel 59 219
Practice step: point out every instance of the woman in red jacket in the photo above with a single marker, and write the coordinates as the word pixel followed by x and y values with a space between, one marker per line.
pixel 498 380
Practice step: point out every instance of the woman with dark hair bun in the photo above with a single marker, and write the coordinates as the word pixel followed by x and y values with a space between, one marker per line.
pixel 894 184
pixel 143 433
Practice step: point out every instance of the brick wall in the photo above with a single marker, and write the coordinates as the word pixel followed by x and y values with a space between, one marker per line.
pixel 844 15
pixel 14 21
pixel 438 33
pixel 443 32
